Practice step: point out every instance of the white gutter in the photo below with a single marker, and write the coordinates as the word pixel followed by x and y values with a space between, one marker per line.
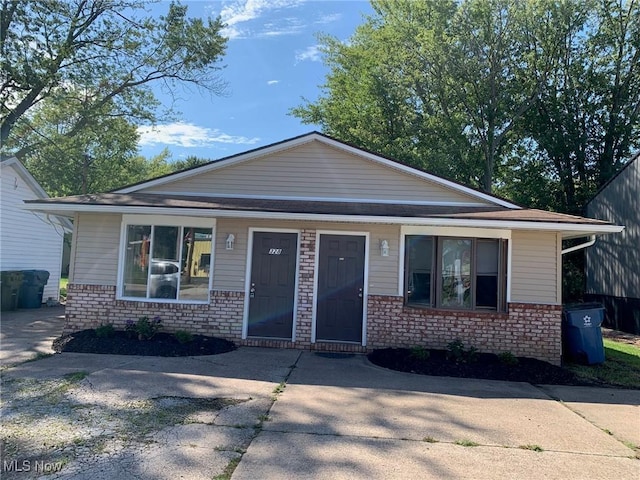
pixel 592 240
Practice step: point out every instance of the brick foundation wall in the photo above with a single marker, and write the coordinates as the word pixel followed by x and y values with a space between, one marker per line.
pixel 527 330
pixel 89 306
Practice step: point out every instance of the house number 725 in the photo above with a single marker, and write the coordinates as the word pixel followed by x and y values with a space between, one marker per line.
pixel 275 251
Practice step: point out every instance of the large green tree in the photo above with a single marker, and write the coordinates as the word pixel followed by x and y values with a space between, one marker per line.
pixel 99 56
pixel 441 84
pixel 536 99
pixel 101 156
pixel 585 122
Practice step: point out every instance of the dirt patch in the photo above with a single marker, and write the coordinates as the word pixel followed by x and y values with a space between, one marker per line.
pixel 482 365
pixel 619 336
pixel 121 343
pixel 50 429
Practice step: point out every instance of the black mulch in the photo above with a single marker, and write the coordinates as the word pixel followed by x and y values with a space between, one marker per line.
pixel 485 366
pixel 120 343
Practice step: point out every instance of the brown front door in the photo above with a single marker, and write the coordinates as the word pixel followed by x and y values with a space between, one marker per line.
pixel 272 284
pixel 340 288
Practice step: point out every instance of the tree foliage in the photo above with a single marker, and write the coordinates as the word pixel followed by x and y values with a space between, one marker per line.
pixel 522 97
pixel 98 58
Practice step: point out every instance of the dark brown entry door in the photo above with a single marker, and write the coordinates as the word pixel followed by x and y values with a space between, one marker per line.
pixel 272 285
pixel 340 288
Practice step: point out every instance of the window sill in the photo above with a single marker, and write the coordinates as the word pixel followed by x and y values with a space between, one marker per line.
pixel 168 301
pixel 455 311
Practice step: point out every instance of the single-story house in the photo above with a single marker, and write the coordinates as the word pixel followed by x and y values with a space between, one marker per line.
pixel 28 240
pixel 612 265
pixel 313 243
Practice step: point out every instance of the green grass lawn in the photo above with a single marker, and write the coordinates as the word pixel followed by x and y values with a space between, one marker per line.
pixel 621 366
pixel 63 286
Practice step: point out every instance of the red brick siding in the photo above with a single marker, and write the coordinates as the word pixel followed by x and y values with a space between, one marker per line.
pixel 88 306
pixel 305 287
pixel 526 330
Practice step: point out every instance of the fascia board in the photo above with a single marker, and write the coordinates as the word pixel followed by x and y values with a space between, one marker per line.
pixel 567 229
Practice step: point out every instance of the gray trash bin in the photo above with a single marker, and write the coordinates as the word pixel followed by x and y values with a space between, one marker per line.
pixel 32 289
pixel 582 336
pixel 10 283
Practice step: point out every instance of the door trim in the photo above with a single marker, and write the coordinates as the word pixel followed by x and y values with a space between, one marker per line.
pixel 365 291
pixel 247 278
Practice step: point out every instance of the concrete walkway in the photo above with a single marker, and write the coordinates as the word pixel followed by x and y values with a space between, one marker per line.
pixel 307 415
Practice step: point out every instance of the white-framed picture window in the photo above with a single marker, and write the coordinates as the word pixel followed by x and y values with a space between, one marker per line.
pixel 167 259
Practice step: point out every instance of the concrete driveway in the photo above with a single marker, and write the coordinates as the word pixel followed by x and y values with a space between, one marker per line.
pixel 26 333
pixel 344 418
pixel 306 415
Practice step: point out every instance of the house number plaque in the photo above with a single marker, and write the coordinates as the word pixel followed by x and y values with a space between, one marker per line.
pixel 275 251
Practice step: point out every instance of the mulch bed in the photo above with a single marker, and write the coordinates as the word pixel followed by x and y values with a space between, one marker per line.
pixel 484 365
pixel 120 343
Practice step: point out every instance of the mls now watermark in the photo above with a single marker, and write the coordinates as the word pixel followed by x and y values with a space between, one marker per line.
pixel 37 466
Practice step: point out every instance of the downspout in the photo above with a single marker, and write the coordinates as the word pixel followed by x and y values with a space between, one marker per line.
pixel 592 240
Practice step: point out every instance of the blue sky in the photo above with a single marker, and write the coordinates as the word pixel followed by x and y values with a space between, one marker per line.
pixel 272 61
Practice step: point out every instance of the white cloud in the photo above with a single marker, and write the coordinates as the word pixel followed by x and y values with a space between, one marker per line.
pixel 188 135
pixel 238 12
pixel 311 53
pixel 329 18
pixel 273 82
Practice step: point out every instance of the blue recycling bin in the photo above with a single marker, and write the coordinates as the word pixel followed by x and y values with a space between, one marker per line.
pixel 32 289
pixel 582 336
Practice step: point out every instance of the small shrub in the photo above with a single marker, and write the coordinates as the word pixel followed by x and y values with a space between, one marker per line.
pixel 429 440
pixel 508 358
pixel 458 354
pixel 183 336
pixel 105 331
pixel 420 353
pixel 455 350
pixel 144 328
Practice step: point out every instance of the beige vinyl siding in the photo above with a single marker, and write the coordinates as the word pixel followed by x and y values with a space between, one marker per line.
pixel 536 267
pixel 97 241
pixel 230 265
pixel 314 170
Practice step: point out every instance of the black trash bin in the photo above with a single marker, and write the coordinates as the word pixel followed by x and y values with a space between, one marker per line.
pixel 33 282
pixel 582 336
pixel 11 281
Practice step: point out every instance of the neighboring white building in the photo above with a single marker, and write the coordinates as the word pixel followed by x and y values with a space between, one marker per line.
pixel 28 241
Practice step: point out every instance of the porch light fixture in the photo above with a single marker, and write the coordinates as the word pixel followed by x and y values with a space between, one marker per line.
pixel 384 248
pixel 231 240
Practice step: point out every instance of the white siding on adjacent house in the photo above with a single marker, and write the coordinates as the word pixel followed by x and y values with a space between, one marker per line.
pixel 28 241
pixel 315 170
pixel 535 267
pixel 95 260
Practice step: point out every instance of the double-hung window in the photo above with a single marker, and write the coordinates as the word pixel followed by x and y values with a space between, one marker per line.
pixel 166 258
pixel 457 273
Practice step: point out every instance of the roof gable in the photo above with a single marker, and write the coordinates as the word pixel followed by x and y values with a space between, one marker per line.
pixel 316 167
pixel 18 168
pixel 631 168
